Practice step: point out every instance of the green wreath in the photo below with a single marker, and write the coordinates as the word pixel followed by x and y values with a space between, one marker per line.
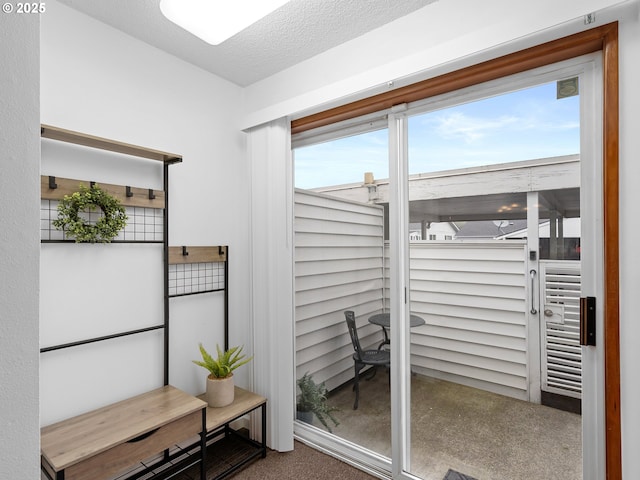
pixel 105 229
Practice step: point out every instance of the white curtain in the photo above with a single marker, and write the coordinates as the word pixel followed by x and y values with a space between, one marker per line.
pixel 269 149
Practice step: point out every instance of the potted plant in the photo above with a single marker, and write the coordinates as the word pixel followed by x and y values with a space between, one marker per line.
pixel 220 384
pixel 312 400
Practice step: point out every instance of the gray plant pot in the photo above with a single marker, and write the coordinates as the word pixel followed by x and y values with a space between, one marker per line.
pixel 220 391
pixel 306 417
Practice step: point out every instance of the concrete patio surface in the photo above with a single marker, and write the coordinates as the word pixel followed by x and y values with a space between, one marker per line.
pixel 478 433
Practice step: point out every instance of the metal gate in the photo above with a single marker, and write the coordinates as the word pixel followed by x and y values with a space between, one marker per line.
pixel 560 327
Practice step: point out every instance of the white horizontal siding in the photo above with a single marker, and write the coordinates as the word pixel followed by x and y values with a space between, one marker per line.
pixel 338 266
pixel 473 299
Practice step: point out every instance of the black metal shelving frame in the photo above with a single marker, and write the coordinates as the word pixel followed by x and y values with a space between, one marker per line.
pixel 177 460
pixel 167 159
pixel 50 184
pixel 222 257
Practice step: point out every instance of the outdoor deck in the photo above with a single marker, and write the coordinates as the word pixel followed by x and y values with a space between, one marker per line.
pixel 478 433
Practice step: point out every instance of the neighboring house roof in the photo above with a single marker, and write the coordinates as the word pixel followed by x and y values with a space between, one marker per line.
pixel 417 226
pixel 490 229
pixel 514 229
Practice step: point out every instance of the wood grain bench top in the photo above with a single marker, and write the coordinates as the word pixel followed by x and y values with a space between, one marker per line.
pixel 244 401
pixel 73 440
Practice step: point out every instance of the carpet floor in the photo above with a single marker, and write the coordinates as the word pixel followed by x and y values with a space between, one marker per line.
pixel 301 463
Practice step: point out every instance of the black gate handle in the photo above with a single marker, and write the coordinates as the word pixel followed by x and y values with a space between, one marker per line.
pixel 588 321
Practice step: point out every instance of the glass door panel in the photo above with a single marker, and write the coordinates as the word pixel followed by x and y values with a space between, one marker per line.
pixel 492 184
pixel 341 200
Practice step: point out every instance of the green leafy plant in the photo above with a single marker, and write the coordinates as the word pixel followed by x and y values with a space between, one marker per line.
pixel 105 229
pixel 313 398
pixel 225 364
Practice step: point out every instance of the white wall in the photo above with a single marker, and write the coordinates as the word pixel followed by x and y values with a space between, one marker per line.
pixel 629 234
pixel 19 245
pixel 364 66
pixel 96 80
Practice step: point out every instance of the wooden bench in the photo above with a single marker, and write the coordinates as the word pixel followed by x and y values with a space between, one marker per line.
pixel 109 441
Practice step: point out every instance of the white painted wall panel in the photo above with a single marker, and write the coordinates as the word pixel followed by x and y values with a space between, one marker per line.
pixel 19 244
pixel 97 80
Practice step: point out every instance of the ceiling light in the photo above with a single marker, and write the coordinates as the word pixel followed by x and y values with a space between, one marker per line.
pixel 214 21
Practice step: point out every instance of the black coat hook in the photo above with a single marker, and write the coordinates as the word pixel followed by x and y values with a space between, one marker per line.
pixel 184 251
pixel 151 194
pixel 220 250
pixel 92 184
pixel 129 192
pixel 52 182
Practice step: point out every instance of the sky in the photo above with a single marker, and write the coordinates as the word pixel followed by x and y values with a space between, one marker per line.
pixel 522 125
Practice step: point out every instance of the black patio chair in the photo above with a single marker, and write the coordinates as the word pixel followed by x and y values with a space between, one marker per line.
pixel 362 358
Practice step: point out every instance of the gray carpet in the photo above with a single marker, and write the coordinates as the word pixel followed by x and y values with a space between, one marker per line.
pixel 301 463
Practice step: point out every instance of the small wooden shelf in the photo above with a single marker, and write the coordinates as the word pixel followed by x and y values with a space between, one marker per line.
pixel 67 186
pixel 69 136
pixel 244 402
pixel 197 254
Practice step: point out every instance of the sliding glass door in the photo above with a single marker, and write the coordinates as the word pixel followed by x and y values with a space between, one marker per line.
pixel 460 231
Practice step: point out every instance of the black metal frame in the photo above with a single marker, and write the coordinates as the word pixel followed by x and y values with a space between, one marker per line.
pixel 165 245
pixel 99 339
pixel 260 447
pixel 225 289
pixel 188 461
pixel 165 258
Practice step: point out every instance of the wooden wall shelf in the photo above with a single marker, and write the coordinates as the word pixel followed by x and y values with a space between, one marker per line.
pixel 197 254
pixel 69 136
pixel 67 186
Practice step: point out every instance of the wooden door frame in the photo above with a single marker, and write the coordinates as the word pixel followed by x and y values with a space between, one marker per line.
pixel 601 39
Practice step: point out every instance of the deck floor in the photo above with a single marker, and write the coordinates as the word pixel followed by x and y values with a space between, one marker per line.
pixel 478 433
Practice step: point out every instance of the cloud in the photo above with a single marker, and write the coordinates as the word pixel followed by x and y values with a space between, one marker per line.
pixel 457 125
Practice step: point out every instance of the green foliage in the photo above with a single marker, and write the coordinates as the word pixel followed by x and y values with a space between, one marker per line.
pixel 313 398
pixel 225 364
pixel 106 227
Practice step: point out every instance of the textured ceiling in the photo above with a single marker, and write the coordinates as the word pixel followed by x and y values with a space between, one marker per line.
pixel 293 33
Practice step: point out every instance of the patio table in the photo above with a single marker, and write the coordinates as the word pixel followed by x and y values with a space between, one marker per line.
pixel 384 320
